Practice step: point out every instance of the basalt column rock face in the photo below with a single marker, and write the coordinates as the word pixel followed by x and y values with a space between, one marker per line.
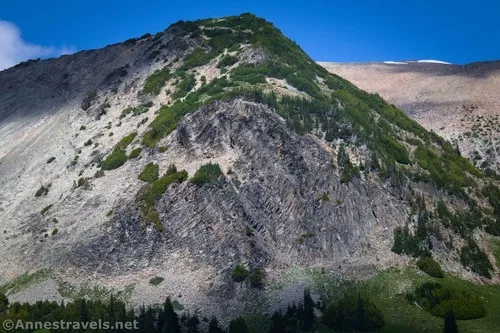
pixel 266 212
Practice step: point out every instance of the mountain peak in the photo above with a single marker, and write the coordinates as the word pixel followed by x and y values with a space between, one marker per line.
pixel 217 144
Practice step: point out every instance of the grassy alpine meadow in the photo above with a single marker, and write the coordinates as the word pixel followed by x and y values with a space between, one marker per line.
pixel 387 290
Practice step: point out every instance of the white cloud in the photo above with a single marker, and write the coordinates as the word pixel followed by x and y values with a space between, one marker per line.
pixel 14 49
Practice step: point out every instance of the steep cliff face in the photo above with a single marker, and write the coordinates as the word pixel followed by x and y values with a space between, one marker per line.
pixel 218 143
pixel 257 214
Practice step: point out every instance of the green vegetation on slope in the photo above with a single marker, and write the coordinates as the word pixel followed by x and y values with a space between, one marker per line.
pixel 150 173
pixel 185 86
pixel 207 174
pixel 361 115
pixel 118 156
pixel 154 191
pixel 240 273
pixel 135 153
pixel 430 266
pixel 156 81
pixel 473 257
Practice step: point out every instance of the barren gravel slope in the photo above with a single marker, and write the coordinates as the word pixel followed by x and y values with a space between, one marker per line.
pixel 460 103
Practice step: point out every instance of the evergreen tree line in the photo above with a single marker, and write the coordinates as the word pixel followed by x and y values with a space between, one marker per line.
pixel 162 319
pixel 352 313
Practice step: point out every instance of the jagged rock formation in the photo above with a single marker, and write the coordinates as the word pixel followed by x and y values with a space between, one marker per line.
pixel 294 167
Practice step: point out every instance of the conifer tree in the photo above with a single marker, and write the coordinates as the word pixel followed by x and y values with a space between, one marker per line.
pixel 238 325
pixel 278 324
pixel 171 318
pixel 308 312
pixel 4 303
pixel 213 326
pixel 450 324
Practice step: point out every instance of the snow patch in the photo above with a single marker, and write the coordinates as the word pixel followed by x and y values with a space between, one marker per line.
pixel 395 63
pixel 435 62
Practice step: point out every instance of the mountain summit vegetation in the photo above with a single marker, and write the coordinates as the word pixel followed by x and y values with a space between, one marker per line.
pixel 396 148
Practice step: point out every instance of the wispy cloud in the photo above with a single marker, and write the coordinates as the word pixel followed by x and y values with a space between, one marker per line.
pixel 13 49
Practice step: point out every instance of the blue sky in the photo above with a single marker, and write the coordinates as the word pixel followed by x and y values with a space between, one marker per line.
pixel 344 31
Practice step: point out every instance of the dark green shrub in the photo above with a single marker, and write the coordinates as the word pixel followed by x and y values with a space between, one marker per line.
pixel 304 237
pixel 50 160
pixel 207 174
pixel 171 170
pixel 83 182
pixel 135 153
pixel 347 170
pixel 156 81
pixel 88 143
pixel 197 58
pixel 54 232
pixel 493 228
pixel 353 314
pixel 304 84
pixel 44 210
pixel 406 243
pixel 323 197
pixel 256 278
pixel 83 128
pixel 430 266
pixel 126 112
pixel 116 159
pixel 150 173
pixel 156 280
pixel 151 217
pixel 238 325
pixel 226 61
pixel 447 170
pixel 162 149
pixel 4 303
pixel 440 301
pixel 158 187
pixel 166 122
pixel 185 86
pixel 126 141
pixel 247 74
pixel 99 173
pixel 74 161
pixel 118 156
pixel 136 110
pixel 473 257
pixel 43 190
pixel 240 273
